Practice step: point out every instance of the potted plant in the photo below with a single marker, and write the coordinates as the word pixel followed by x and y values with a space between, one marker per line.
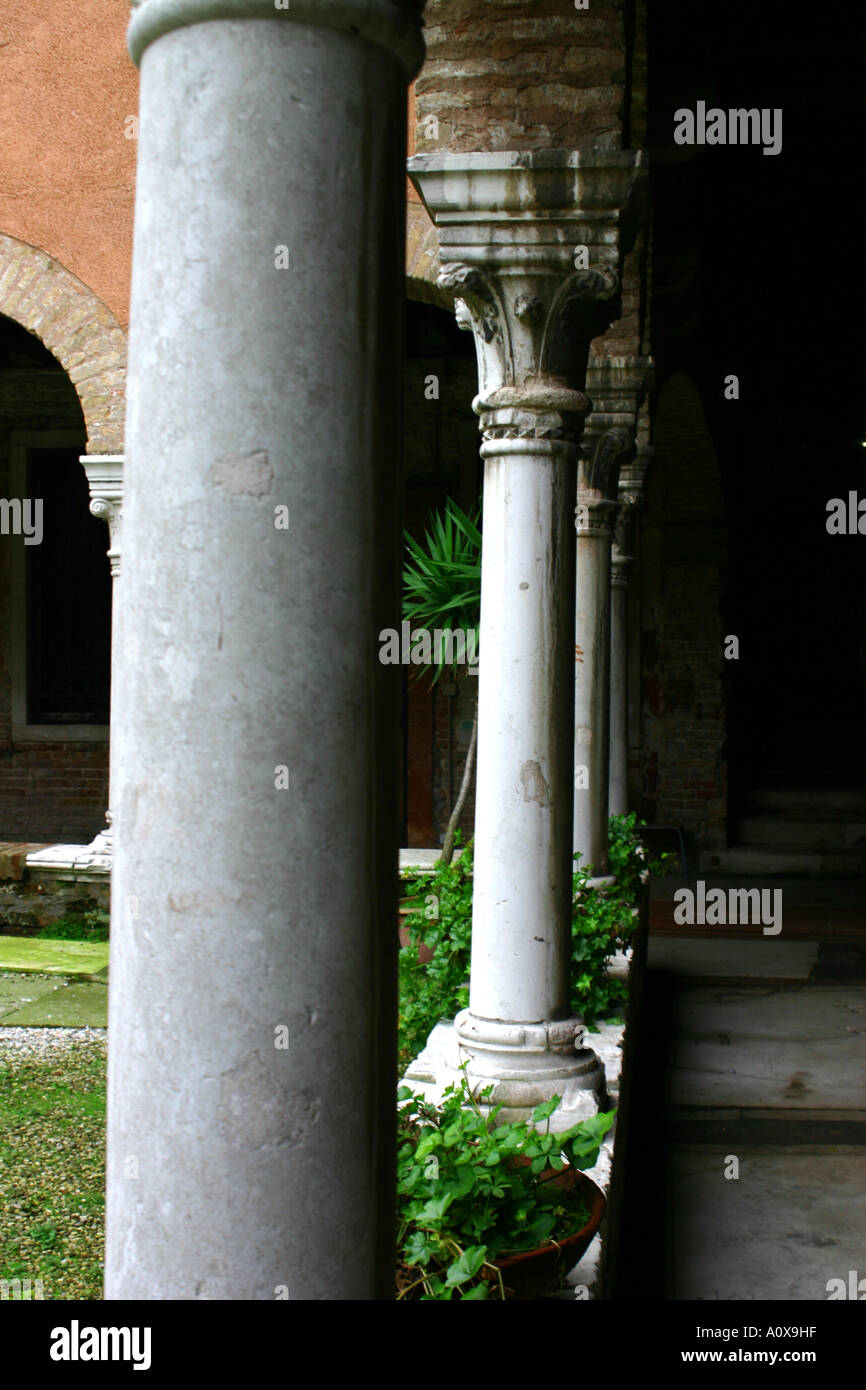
pixel 488 1211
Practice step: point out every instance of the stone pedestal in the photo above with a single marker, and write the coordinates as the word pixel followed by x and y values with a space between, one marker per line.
pixel 510 226
pixel 252 1066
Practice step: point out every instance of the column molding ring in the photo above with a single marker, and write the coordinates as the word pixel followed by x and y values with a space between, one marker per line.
pixel 385 22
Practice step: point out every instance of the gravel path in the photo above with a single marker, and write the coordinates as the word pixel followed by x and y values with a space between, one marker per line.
pixel 46 1042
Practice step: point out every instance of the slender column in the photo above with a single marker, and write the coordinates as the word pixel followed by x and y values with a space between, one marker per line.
pixel 105 482
pixel 618 790
pixel 253 975
pixel 616 385
pixel 509 225
pixel 630 494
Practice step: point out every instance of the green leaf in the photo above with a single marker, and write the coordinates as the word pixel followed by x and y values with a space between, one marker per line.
pixel 544 1112
pixel 433 1211
pixel 467 1266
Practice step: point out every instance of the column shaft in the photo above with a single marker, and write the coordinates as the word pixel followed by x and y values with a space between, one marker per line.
pixel 252 1010
pixel 618 790
pixel 592 684
pixel 522 885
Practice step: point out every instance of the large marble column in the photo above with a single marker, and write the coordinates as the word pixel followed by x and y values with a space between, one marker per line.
pixel 614 386
pixel 629 495
pixel 509 225
pixel 252 1020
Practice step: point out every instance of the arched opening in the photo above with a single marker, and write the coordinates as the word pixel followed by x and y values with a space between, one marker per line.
pixel 55 605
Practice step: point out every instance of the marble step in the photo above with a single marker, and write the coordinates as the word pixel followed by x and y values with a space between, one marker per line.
pixel 837 832
pixel 794 859
pixel 801 802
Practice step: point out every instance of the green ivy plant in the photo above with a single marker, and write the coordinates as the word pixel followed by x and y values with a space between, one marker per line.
pixel 603 922
pixel 443 922
pixel 470 1191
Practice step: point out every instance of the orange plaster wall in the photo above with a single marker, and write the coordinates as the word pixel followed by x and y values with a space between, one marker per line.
pixel 67 170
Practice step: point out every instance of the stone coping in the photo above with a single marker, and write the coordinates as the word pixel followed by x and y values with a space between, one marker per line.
pixel 69 862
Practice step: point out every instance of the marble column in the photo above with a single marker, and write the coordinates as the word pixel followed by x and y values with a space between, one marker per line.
pixel 615 386
pixel 508 228
pixel 105 483
pixel 618 787
pixel 629 494
pixel 252 1012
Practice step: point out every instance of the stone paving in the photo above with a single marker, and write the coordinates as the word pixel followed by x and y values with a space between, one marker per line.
pixel 765 1105
pixel 52 984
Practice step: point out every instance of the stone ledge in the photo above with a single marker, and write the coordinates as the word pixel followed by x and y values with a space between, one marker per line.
pixel 70 863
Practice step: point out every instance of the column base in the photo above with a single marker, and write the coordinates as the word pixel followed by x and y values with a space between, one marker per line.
pixel 522 1075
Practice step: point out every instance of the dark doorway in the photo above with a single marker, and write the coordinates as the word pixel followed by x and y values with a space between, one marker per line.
pixel 756 274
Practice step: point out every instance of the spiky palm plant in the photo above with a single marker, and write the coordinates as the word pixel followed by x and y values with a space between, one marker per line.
pixel 442 590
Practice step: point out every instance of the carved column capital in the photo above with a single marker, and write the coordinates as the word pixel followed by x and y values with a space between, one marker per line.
pixel 617 387
pixel 105 481
pixel 530 245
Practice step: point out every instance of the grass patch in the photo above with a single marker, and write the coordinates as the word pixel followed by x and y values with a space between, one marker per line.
pixel 36 955
pixel 52 1170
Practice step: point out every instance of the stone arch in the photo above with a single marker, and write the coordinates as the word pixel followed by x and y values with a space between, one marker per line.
pixel 41 295
pixel 688 464
pixel 422 259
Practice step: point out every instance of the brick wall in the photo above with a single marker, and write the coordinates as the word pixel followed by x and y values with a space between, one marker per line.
pixel 501 76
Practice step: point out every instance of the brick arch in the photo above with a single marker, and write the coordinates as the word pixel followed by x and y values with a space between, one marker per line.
pixel 77 328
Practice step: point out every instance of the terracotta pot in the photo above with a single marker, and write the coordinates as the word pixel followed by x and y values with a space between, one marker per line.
pixel 535 1272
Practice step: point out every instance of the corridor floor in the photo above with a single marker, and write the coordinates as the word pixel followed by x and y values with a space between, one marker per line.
pixel 752 1117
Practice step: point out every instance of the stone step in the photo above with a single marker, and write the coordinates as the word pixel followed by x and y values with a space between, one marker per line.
pixel 837 832
pixel 752 860
pixel 808 801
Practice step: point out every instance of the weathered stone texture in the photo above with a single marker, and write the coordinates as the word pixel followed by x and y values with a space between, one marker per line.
pixel 502 76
